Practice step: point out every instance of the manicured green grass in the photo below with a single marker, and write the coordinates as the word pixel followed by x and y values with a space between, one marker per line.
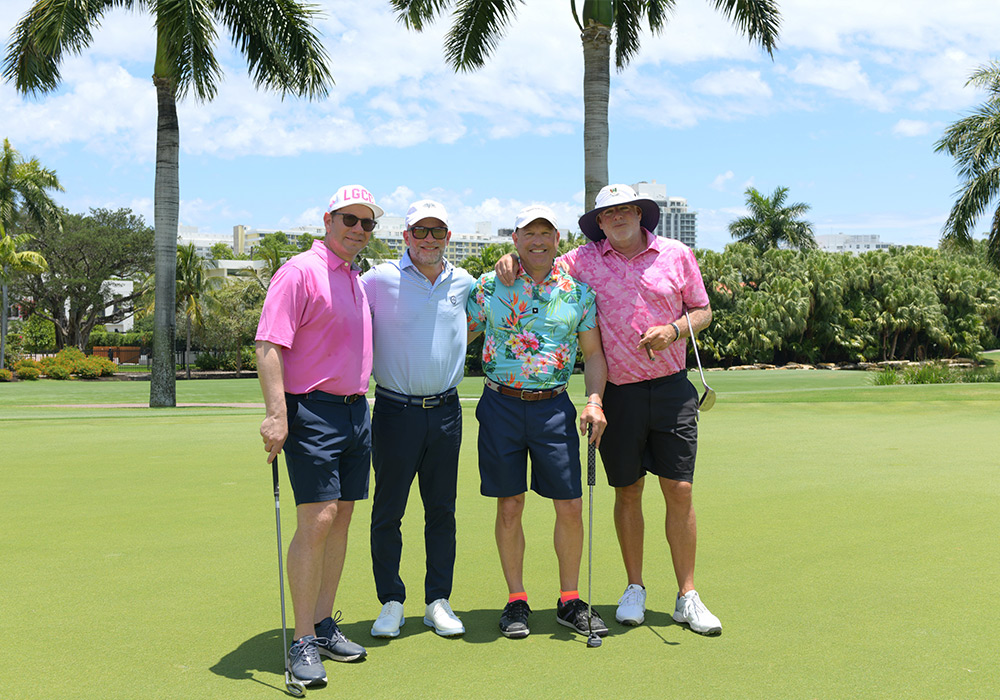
pixel 847 541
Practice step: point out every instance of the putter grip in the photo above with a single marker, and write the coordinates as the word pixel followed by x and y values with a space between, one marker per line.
pixel 274 475
pixel 591 461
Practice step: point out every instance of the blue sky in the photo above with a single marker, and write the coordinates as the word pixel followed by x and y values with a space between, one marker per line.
pixel 846 116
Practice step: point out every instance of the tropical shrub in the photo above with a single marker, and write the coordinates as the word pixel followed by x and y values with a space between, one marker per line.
pixel 29 373
pixel 6 375
pixel 58 370
pixel 72 358
pixel 89 368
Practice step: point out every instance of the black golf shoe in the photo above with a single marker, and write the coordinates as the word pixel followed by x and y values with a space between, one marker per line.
pixel 574 615
pixel 332 643
pixel 514 620
pixel 304 663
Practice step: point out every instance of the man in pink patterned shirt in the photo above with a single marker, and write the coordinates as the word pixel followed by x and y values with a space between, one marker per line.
pixel 644 284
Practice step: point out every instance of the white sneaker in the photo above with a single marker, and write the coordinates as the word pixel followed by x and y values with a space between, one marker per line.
pixel 389 620
pixel 691 611
pixel 632 605
pixel 440 616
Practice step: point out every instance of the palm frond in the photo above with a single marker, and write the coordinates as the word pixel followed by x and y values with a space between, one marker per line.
pixel 415 14
pixel 974 196
pixel 657 12
pixel 283 50
pixel 45 34
pixel 185 51
pixel 479 26
pixel 628 23
pixel 760 20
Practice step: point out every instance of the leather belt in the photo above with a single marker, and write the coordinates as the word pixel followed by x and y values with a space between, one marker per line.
pixel 331 398
pixel 525 394
pixel 423 401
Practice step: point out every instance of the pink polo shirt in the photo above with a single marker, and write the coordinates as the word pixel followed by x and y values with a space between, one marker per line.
pixel 651 289
pixel 316 310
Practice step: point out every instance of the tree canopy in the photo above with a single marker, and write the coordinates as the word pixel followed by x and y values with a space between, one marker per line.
pixel 89 251
pixel 773 224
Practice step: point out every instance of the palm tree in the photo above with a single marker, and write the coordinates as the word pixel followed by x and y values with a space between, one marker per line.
pixel 192 284
pixel 283 53
pixel 771 223
pixel 479 26
pixel 24 192
pixel 974 143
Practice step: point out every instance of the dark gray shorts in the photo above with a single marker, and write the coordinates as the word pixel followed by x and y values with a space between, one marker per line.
pixel 328 450
pixel 652 427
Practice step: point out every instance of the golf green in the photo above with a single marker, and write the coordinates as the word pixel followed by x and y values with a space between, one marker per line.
pixel 847 540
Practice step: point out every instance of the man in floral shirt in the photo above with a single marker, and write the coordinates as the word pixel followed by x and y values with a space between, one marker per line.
pixel 532 330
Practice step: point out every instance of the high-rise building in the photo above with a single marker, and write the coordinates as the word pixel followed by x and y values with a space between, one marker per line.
pixel 851 243
pixel 675 220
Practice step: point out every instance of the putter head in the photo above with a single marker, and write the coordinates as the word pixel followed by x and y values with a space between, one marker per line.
pixel 294 687
pixel 707 399
pixel 593 641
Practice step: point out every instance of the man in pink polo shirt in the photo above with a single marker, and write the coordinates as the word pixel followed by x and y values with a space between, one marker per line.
pixel 314 357
pixel 644 284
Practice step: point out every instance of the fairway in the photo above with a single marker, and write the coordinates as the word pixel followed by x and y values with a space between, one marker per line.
pixel 848 542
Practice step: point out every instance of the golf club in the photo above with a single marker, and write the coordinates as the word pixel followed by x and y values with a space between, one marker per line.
pixel 593 640
pixel 292 685
pixel 708 398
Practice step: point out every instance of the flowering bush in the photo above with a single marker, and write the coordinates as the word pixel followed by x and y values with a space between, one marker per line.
pixel 57 370
pixel 29 373
pixel 89 368
pixel 6 375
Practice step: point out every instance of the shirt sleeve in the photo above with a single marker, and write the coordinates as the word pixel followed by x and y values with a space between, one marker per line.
pixel 283 308
pixel 369 283
pixel 588 302
pixel 694 293
pixel 475 307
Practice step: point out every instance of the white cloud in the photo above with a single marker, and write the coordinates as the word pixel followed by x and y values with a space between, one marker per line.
pixel 911 127
pixel 734 81
pixel 846 79
pixel 719 183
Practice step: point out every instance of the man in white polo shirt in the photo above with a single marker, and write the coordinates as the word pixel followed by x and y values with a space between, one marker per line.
pixel 419 330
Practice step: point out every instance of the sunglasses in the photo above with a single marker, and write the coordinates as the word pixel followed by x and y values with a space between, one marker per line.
pixel 420 232
pixel 350 220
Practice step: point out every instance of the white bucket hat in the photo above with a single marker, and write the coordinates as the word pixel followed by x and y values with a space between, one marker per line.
pixel 613 196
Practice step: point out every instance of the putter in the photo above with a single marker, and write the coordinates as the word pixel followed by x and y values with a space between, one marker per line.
pixel 708 398
pixel 292 685
pixel 593 640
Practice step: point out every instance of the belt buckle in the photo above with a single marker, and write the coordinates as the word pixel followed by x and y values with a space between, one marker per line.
pixel 527 395
pixel 423 402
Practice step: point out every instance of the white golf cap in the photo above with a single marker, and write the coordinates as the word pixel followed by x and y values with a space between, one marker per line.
pixel 535 211
pixel 425 209
pixel 354 194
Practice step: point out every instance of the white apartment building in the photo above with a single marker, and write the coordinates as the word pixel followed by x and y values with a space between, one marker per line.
pixel 675 220
pixel 851 243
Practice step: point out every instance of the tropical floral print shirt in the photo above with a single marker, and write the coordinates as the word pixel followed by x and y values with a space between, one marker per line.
pixel 531 328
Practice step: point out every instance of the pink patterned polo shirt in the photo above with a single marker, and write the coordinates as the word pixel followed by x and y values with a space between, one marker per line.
pixel 651 289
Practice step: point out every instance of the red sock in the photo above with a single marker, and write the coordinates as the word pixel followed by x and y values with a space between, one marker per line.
pixel 566 596
pixel 517 596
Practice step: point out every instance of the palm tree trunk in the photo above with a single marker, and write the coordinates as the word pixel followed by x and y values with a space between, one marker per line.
pixel 166 202
pixel 596 88
pixel 3 320
pixel 187 347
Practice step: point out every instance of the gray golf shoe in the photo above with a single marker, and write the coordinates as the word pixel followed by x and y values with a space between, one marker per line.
pixel 303 661
pixel 332 643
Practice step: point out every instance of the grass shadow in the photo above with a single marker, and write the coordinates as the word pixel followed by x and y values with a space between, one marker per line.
pixel 261 653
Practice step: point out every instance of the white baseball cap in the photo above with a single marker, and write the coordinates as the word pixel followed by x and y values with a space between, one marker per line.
pixel 613 196
pixel 354 194
pixel 535 211
pixel 425 209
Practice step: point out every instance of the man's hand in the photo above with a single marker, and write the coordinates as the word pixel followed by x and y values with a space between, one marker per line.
pixel 594 416
pixel 657 338
pixel 274 430
pixel 506 269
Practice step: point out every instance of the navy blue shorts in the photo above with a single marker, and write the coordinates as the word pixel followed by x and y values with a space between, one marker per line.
pixel 652 427
pixel 511 429
pixel 328 450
